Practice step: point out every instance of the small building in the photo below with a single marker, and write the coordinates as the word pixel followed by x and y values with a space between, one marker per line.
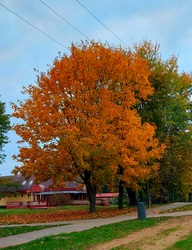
pixel 105 198
pixel 31 195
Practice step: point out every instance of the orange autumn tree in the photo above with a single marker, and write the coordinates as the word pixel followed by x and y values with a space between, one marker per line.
pixel 72 117
pixel 137 150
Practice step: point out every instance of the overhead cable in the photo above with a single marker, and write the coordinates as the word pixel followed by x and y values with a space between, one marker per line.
pixel 102 23
pixel 64 19
pixel 35 27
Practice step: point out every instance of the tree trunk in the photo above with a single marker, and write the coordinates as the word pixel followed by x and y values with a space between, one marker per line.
pixel 140 196
pixel 120 198
pixel 190 197
pixel 91 191
pixel 148 195
pixel 132 197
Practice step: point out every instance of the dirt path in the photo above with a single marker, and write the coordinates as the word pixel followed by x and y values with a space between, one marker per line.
pixel 157 238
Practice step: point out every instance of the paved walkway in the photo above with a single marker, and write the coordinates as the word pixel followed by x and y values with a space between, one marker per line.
pixel 80 225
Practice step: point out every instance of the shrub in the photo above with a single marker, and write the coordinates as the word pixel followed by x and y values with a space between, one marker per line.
pixel 60 199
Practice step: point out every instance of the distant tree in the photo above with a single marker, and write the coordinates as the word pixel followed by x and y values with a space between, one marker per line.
pixel 4 127
pixel 170 109
pixel 80 120
pixel 8 186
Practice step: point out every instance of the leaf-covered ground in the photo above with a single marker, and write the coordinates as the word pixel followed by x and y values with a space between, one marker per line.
pixel 60 215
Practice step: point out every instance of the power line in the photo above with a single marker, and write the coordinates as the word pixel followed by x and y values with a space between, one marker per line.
pixel 102 23
pixel 53 39
pixel 64 19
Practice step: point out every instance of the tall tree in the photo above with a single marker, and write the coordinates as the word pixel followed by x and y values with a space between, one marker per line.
pixel 169 108
pixel 4 128
pixel 77 118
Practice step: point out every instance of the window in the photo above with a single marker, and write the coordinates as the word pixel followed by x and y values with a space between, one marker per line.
pixel 24 182
pixel 31 182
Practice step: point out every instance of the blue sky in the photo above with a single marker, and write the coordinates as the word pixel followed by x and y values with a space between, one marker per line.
pixel 23 48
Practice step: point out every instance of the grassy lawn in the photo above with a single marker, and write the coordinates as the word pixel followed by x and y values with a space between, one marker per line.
pixel 83 240
pixel 185 244
pixel 7 231
pixel 4 211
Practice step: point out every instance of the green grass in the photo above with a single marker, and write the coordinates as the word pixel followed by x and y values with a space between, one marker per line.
pixel 4 211
pixel 185 244
pixel 83 240
pixel 21 211
pixel 8 231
